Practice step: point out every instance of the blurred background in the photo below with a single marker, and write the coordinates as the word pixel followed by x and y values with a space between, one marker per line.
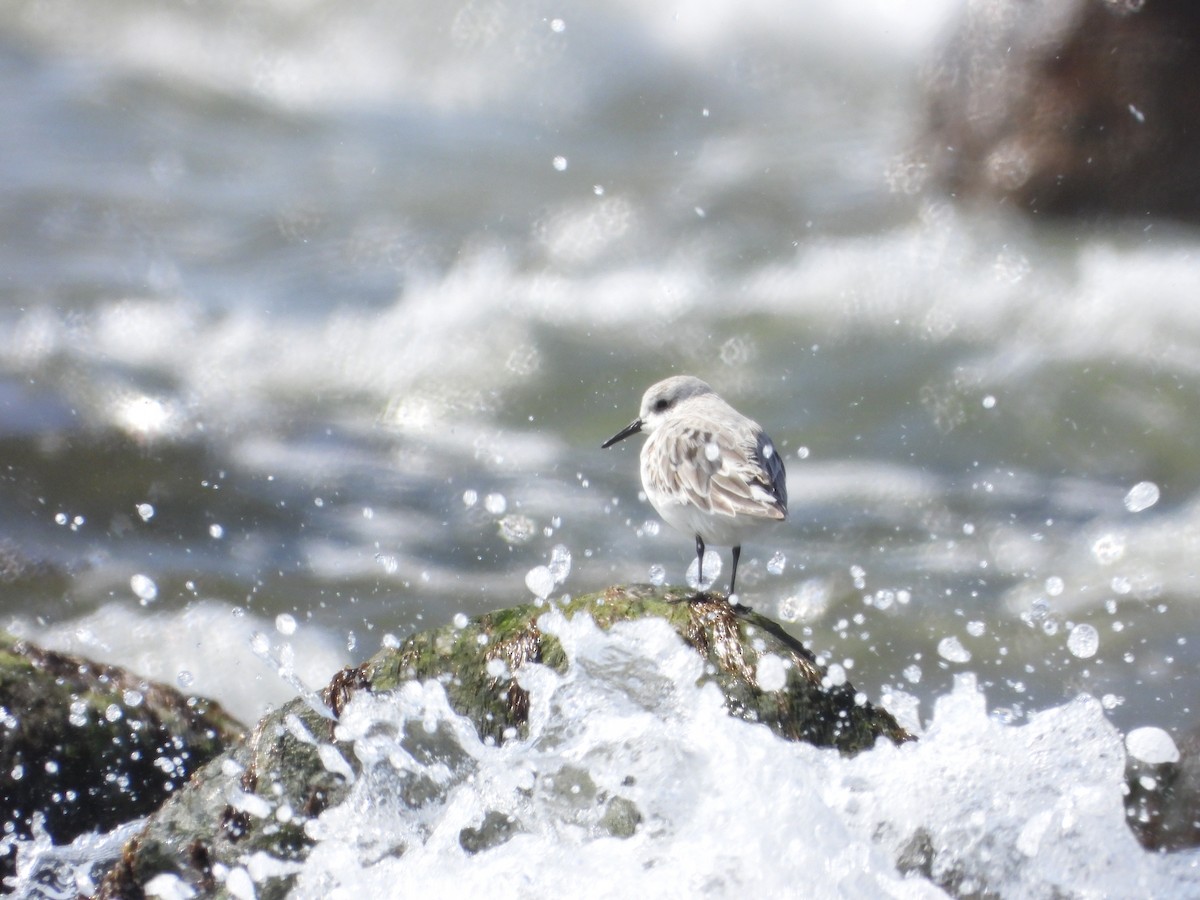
pixel 313 315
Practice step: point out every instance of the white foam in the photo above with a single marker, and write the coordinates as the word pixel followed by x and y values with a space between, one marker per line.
pixel 471 55
pixel 727 809
pixel 1151 745
pixel 208 640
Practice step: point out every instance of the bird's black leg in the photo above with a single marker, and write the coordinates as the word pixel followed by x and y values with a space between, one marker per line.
pixel 699 563
pixel 737 552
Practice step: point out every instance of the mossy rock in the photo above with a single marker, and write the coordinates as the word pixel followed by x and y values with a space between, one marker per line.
pixel 231 809
pixel 88 747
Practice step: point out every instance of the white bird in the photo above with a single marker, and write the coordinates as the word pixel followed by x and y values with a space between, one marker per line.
pixel 708 470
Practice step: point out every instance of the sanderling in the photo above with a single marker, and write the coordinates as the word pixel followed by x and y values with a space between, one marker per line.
pixel 706 468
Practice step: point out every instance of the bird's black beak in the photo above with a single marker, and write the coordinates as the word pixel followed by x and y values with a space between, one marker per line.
pixel 632 428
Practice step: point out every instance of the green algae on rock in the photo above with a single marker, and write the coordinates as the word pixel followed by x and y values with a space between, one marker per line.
pixel 260 800
pixel 733 641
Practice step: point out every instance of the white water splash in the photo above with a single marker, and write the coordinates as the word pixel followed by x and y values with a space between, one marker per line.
pixel 720 807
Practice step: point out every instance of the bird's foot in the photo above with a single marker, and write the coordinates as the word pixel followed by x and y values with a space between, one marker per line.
pixel 698 597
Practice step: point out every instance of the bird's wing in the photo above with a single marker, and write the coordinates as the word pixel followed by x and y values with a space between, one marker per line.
pixel 717 472
pixel 771 462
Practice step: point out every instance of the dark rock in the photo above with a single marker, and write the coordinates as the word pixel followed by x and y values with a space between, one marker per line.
pixel 88 746
pixel 1067 106
pixel 1163 803
pixel 285 764
pixel 496 829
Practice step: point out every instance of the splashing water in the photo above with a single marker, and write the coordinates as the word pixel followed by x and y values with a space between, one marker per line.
pixel 951 649
pixel 46 870
pixel 633 779
pixel 1141 496
pixel 1083 641
pixel 517 529
pixel 560 563
pixel 1151 745
pixel 777 563
pixel 712 571
pixel 282 660
pixel 144 588
pixel 540 581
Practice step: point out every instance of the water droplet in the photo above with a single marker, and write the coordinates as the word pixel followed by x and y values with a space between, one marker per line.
pixel 1054 585
pixel 658 575
pixel 1108 548
pixel 712 569
pixel 184 678
pixel 285 623
pixel 771 673
pixel 470 498
pixel 144 588
pixel 113 713
pixel 216 531
pixel 776 564
pixel 807 604
pixel 76 715
pixel 517 529
pixel 1083 641
pixel 835 675
pixel 61 518
pixel 952 650
pixel 859 576
pixel 1142 495
pixel 260 644
pixel 461 620
pixel 540 581
pixel 560 164
pixel 558 26
pixel 132 697
pixel 649 528
pixel 1151 745
pixel 989 402
pixel 146 511
pixel 912 674
pixel 976 628
pixel 560 563
pixel 496 504
pixel 711 451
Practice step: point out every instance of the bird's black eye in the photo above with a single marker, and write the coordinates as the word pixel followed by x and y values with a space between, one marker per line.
pixel 661 404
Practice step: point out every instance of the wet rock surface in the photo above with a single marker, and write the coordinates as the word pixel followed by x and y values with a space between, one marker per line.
pixel 257 801
pixel 85 746
pixel 1069 106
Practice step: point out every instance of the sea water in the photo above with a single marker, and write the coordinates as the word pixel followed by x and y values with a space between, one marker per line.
pixel 314 316
pixel 705 805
